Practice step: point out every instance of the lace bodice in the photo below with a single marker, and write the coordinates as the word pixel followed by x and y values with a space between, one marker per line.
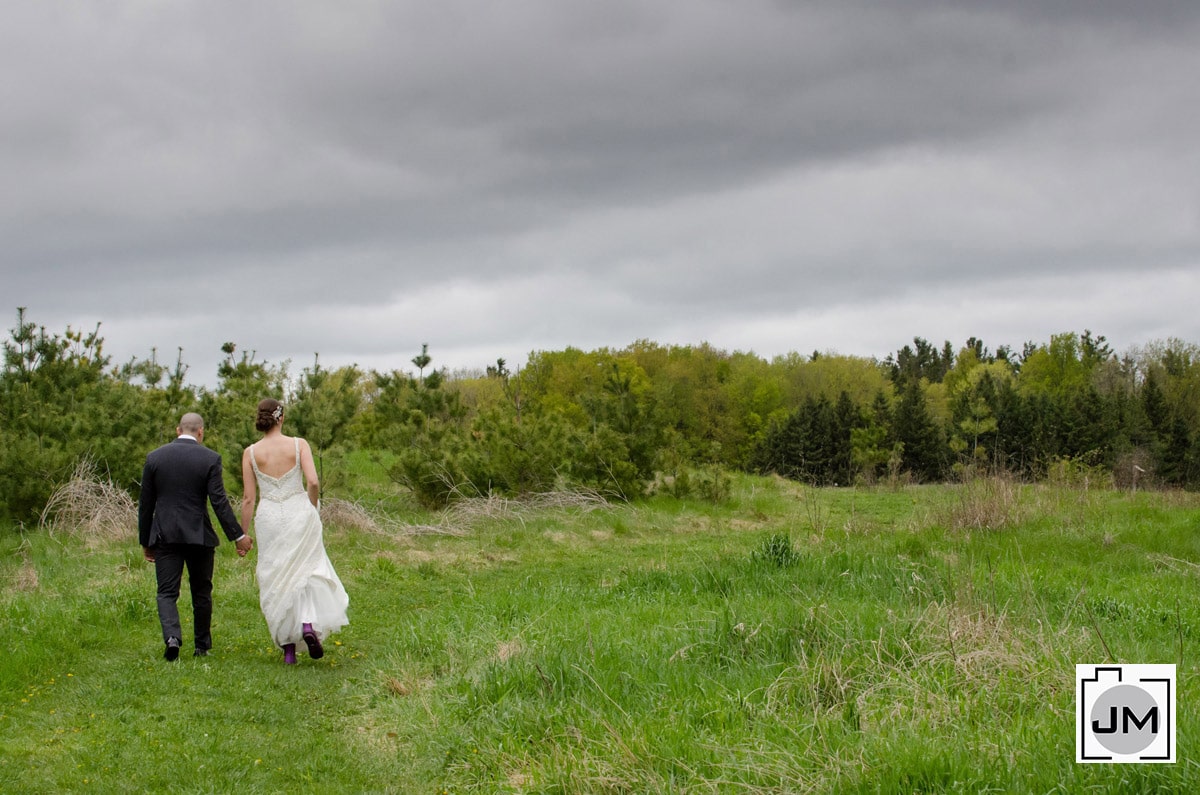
pixel 281 488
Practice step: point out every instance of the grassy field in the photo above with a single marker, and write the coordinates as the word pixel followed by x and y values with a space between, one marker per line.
pixel 786 640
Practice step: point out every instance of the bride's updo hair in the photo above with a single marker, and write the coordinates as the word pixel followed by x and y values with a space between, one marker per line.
pixel 270 412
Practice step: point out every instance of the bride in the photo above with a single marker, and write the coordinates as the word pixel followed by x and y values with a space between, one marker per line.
pixel 301 595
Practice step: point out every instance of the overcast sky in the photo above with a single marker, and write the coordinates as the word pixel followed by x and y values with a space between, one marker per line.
pixel 358 178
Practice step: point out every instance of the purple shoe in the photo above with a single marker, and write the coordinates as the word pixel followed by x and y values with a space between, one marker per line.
pixel 289 654
pixel 315 650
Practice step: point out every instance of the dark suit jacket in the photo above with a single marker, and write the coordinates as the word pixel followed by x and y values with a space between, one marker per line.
pixel 178 482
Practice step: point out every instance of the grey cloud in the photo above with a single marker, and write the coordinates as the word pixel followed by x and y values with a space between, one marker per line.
pixel 369 176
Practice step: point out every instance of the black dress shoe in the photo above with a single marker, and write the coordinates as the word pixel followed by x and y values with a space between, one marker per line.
pixel 172 651
pixel 200 653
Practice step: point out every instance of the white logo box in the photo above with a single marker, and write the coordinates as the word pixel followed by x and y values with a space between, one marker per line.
pixel 1125 714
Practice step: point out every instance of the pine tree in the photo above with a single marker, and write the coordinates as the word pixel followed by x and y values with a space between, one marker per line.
pixel 422 360
pixel 1154 406
pixel 913 427
pixel 847 417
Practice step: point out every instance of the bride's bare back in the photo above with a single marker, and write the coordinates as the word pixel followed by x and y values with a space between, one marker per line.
pixel 276 454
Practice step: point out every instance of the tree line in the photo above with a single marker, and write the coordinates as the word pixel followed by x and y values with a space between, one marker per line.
pixel 621 421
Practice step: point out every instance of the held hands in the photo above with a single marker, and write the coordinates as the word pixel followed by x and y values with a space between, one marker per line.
pixel 243 545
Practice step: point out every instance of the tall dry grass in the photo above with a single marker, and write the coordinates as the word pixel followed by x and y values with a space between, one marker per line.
pixel 90 506
pixel 987 502
pixel 493 506
pixel 349 515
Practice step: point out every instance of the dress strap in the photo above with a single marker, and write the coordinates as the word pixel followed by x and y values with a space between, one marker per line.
pixel 296 439
pixel 253 462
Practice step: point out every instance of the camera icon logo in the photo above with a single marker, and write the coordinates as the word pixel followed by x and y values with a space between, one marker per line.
pixel 1125 713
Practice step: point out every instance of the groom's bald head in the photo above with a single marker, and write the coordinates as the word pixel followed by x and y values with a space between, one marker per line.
pixel 191 423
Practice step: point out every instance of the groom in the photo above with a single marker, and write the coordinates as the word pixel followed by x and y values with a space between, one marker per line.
pixel 178 481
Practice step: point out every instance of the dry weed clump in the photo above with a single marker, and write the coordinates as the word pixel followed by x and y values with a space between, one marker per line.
pixel 26 577
pixel 397 687
pixel 508 649
pixel 90 506
pixel 349 515
pixel 980 643
pixel 465 511
pixel 958 652
pixel 1177 498
pixel 903 697
pixel 493 506
pixel 430 530
pixel 1162 561
pixel 458 518
pixel 987 503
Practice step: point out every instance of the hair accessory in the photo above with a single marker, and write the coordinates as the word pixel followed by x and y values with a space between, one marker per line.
pixel 277 413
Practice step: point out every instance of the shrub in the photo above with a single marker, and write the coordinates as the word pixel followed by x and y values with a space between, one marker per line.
pixel 776 550
pixel 433 467
pixel 710 484
pixel 1077 473
pixel 518 457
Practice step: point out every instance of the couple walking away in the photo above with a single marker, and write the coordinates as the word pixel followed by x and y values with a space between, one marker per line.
pixel 301 596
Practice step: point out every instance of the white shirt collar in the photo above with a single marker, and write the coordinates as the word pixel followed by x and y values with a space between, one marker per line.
pixel 188 436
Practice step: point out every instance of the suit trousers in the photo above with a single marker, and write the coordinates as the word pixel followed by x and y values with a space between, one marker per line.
pixel 169 563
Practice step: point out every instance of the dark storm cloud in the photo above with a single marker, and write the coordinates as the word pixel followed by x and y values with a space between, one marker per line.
pixel 494 178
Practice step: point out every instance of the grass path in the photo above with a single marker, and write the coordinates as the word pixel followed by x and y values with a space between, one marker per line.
pixel 789 640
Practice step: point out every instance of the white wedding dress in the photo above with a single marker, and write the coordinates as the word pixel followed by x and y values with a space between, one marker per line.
pixel 296 581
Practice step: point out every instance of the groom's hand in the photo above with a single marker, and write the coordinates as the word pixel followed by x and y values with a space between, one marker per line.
pixel 148 554
pixel 243 545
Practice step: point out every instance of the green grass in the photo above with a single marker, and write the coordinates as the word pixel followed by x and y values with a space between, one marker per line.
pixel 788 640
